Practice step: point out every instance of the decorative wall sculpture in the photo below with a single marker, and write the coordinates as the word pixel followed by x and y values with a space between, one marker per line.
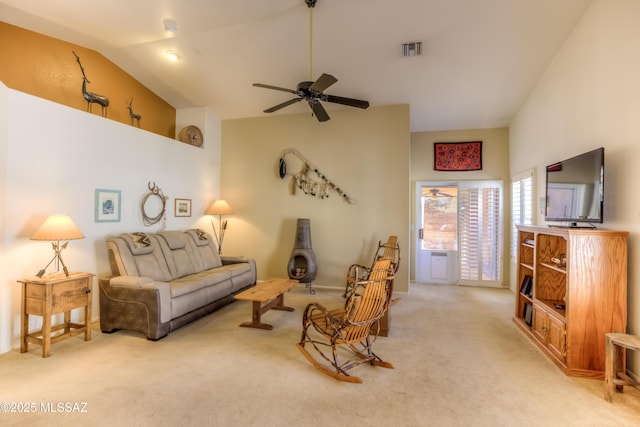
pixel 191 135
pixel 147 212
pixel 309 179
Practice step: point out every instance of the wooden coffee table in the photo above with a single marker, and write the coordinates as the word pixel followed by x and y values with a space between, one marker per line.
pixel 271 292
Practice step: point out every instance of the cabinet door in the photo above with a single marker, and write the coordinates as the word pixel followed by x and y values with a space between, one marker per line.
pixel 557 338
pixel 539 327
pixel 70 294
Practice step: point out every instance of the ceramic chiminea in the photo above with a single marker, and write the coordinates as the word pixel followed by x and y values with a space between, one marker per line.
pixel 302 263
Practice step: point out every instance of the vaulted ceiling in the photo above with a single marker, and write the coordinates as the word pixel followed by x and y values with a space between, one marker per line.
pixel 479 61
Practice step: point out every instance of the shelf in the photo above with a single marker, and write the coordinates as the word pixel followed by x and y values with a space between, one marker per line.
pixel 554 267
pixel 526 298
pixel 551 305
pixel 528 266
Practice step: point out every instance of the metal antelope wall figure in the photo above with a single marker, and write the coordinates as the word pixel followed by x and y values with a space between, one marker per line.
pixel 92 98
pixel 132 114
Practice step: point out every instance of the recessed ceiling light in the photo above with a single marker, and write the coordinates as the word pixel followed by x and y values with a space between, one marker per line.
pixel 172 55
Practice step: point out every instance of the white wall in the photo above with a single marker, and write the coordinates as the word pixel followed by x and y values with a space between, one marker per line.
pixel 589 97
pixel 54 157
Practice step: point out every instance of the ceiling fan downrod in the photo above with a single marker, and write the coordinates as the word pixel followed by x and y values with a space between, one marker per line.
pixel 313 91
pixel 311 4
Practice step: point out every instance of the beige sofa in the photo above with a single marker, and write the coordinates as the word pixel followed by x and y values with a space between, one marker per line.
pixel 163 281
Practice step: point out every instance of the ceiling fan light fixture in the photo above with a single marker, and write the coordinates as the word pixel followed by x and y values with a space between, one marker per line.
pixel 412 49
pixel 170 26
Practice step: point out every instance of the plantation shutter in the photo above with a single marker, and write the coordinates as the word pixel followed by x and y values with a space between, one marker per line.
pixel 480 232
pixel 521 205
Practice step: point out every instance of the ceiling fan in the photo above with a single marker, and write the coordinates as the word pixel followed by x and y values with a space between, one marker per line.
pixel 436 193
pixel 313 91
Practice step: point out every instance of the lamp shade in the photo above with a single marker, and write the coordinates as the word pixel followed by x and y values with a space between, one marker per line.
pixel 219 207
pixel 58 227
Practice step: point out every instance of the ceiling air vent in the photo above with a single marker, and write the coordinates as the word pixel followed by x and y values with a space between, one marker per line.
pixel 412 49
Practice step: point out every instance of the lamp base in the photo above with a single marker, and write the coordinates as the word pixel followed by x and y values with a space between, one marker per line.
pixel 58 257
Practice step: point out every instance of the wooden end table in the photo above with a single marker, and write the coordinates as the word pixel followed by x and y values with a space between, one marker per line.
pixel 271 292
pixel 53 294
pixel 615 375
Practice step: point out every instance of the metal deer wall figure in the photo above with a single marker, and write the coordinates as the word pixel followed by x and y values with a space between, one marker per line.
pixel 132 114
pixel 92 98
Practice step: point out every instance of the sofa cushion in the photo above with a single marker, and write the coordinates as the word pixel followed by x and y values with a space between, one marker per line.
pixel 179 256
pixel 139 243
pixel 204 248
pixel 144 261
pixel 194 282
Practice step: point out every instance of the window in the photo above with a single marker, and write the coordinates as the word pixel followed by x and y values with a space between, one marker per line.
pixel 440 218
pixel 480 231
pixel 521 205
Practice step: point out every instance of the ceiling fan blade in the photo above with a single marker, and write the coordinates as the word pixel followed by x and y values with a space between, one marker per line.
pixel 284 104
pixel 275 88
pixel 323 82
pixel 319 111
pixel 347 101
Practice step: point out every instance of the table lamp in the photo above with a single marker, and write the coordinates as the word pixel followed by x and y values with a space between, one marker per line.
pixel 219 207
pixel 55 229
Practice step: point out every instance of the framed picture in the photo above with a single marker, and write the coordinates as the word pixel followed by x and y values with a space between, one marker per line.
pixel 182 207
pixel 457 156
pixel 107 205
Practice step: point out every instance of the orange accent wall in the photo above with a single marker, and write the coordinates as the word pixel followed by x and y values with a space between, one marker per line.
pixel 46 67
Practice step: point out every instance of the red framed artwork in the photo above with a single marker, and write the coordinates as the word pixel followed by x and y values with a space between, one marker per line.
pixel 457 156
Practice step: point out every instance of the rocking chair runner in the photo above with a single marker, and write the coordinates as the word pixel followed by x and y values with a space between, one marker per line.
pixel 352 328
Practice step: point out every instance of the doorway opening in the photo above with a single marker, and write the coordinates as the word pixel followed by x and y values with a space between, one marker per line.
pixel 459 239
pixel 437 250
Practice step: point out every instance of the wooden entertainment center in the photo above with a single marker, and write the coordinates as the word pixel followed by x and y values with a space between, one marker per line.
pixel 575 293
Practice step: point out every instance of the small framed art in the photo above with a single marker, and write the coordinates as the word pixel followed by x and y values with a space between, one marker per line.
pixel 182 207
pixel 107 207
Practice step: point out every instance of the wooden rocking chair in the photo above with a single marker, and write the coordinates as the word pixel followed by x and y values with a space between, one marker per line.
pixel 351 330
pixel 358 272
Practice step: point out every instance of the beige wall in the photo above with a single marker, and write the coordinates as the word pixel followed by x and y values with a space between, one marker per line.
pixel 495 166
pixel 365 153
pixel 589 97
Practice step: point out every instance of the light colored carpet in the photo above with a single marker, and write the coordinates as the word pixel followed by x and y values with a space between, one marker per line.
pixel 459 361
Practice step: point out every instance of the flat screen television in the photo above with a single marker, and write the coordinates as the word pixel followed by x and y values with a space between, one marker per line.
pixel 575 189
